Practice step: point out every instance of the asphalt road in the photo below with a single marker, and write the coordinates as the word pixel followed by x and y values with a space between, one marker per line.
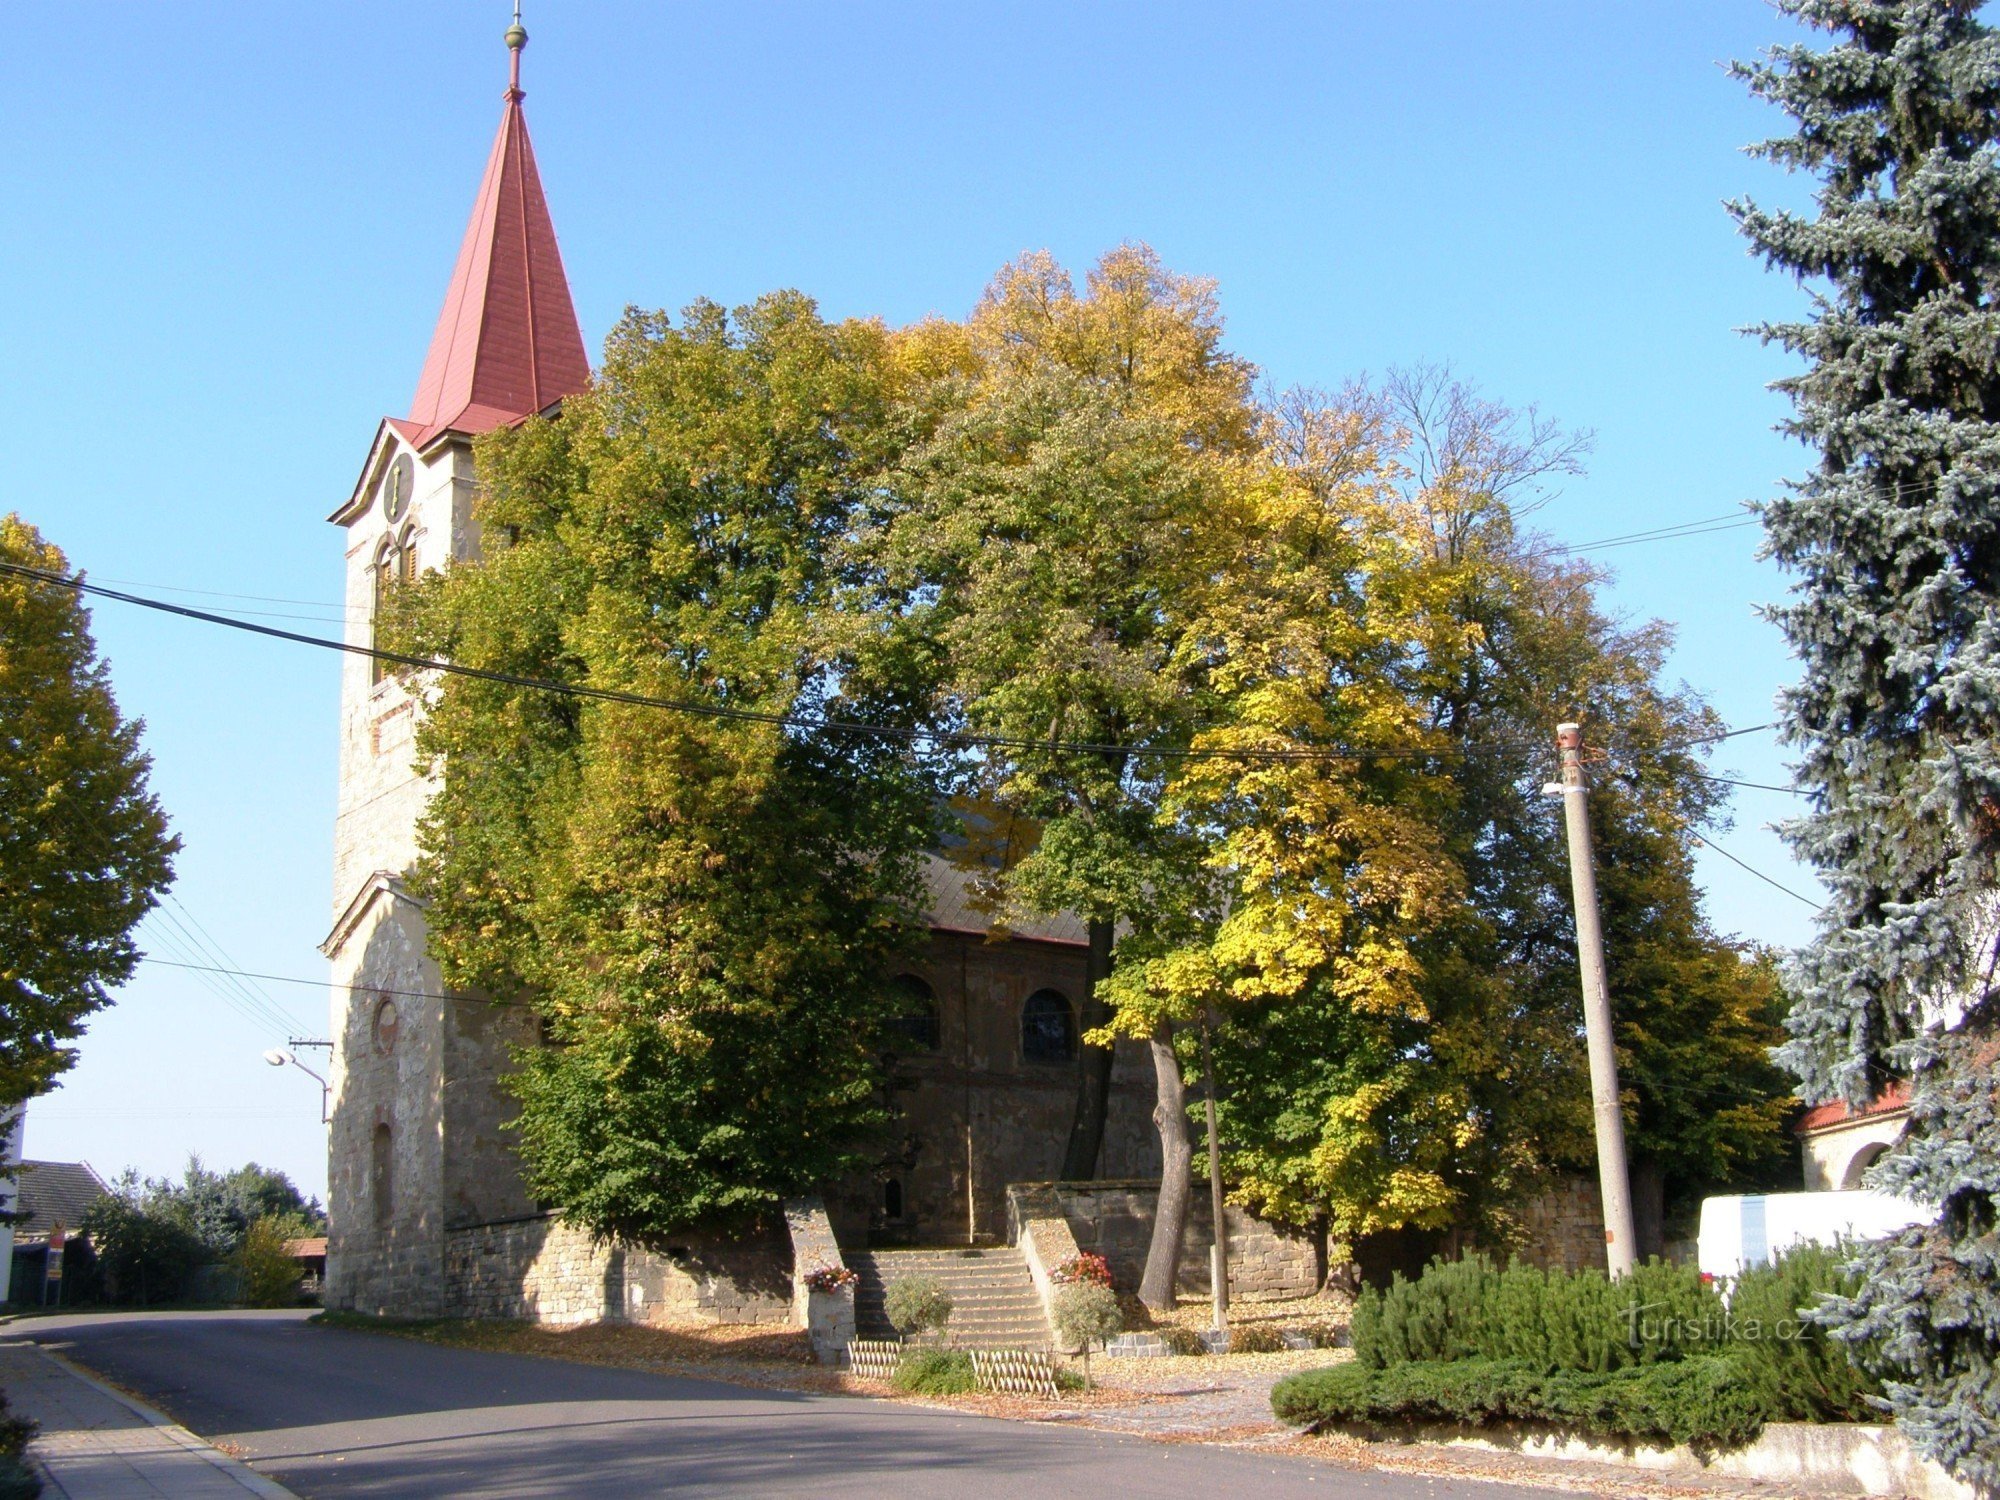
pixel 329 1412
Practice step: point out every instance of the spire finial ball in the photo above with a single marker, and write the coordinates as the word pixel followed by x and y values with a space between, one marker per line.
pixel 517 37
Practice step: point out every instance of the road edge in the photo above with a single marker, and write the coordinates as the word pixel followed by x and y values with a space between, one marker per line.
pixel 236 1469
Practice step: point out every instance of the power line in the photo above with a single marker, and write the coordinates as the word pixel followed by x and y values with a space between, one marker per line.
pixel 318 984
pixel 906 733
pixel 1725 522
pixel 1710 844
pixel 1757 786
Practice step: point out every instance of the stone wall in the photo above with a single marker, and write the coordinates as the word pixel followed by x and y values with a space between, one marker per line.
pixel 1115 1220
pixel 543 1271
pixel 385 1146
pixel 974 1113
pixel 1563 1227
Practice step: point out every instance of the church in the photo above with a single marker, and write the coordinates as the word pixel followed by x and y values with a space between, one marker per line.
pixel 429 1213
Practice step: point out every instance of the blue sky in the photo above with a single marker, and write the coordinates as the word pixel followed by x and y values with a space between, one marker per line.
pixel 228 228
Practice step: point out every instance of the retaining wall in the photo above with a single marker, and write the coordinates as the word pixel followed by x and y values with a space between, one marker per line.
pixel 1115 1220
pixel 543 1271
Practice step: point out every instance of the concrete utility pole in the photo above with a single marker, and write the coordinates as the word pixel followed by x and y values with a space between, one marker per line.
pixel 1614 1181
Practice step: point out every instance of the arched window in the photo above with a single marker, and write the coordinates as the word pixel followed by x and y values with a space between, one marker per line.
pixel 892 1198
pixel 916 1029
pixel 381 1170
pixel 1865 1158
pixel 388 571
pixel 1048 1028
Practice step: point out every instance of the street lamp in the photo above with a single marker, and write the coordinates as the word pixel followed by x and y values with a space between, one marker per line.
pixel 277 1057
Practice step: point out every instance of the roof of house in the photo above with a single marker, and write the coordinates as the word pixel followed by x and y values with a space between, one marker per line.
pixel 507 344
pixel 957 904
pixel 306 1249
pixel 1893 1100
pixel 52 1193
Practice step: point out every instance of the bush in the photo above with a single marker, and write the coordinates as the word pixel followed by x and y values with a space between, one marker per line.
pixel 1087 1313
pixel 1082 1267
pixel 146 1255
pixel 1800 1373
pixel 266 1274
pixel 1321 1333
pixel 17 1480
pixel 934 1372
pixel 1183 1340
pixel 1701 1401
pixel 1578 1320
pixel 1255 1338
pixel 917 1305
pixel 1657 1357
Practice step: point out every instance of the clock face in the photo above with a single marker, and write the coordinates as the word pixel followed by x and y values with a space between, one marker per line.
pixel 396 486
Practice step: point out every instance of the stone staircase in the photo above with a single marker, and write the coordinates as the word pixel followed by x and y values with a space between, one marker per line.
pixel 994 1305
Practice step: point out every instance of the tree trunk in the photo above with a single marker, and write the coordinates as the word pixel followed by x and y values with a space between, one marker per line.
pixel 1093 1068
pixel 1163 1256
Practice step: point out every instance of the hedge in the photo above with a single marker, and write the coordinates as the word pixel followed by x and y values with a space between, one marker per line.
pixel 1660 1356
pixel 1702 1402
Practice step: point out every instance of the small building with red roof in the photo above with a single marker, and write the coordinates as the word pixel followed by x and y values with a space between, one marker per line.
pixel 1839 1143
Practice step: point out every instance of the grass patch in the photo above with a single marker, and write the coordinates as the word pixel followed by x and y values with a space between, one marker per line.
pixel 934 1372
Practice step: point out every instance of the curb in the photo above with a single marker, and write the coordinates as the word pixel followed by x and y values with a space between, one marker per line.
pixel 242 1473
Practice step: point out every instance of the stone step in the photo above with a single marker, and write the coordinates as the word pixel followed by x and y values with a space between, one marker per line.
pixel 994 1303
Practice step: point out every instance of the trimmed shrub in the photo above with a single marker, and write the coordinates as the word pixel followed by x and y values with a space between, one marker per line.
pixel 1255 1338
pixel 1701 1402
pixel 1086 1313
pixel 1657 1357
pixel 917 1305
pixel 934 1372
pixel 1580 1320
pixel 1801 1374
pixel 1182 1340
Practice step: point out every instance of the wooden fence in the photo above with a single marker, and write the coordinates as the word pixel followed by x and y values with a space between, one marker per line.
pixel 1018 1372
pixel 873 1359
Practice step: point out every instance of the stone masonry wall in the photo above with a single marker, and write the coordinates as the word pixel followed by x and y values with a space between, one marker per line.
pixel 1563 1228
pixel 1115 1220
pixel 543 1271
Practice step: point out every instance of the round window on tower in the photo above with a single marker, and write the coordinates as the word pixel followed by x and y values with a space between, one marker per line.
pixel 396 487
pixel 385 1026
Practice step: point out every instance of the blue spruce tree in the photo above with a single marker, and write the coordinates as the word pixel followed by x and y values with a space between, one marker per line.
pixel 1895 616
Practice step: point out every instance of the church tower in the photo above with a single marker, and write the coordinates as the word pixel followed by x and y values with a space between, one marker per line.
pixel 411 1070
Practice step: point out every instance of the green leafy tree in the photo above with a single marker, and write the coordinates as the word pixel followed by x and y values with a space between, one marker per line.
pixel 1894 539
pixel 148 1247
pixel 1441 1100
pixel 1065 499
pixel 701 907
pixel 84 848
pixel 266 1274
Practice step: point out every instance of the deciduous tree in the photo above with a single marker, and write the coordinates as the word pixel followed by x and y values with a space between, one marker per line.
pixel 1066 504
pixel 84 847
pixel 702 907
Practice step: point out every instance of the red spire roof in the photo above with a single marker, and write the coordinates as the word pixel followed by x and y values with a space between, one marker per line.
pixel 507 344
